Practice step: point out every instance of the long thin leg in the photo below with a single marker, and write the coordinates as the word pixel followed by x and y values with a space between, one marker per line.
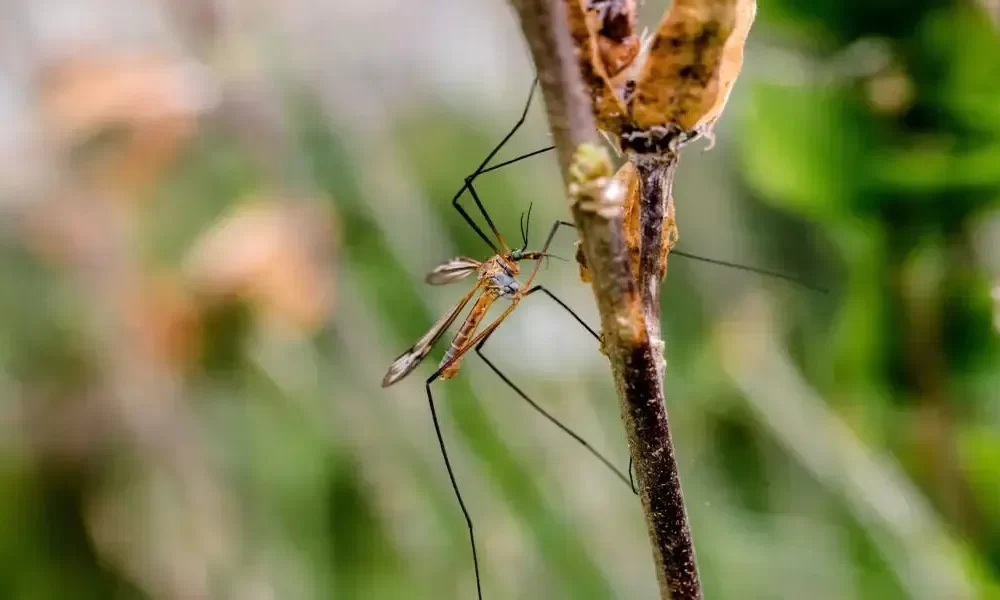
pixel 482 168
pixel 516 159
pixel 454 483
pixel 479 350
pixel 540 288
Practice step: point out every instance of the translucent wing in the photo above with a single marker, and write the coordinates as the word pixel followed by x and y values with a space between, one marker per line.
pixel 455 269
pixel 407 361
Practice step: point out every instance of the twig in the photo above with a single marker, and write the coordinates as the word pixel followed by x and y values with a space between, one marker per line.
pixel 656 180
pixel 634 354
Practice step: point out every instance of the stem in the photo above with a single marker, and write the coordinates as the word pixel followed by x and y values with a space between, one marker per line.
pixel 656 180
pixel 634 354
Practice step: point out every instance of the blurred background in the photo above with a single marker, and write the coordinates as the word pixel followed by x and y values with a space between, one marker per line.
pixel 217 217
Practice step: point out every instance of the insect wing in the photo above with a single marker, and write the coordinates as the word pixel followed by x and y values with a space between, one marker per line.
pixel 407 361
pixel 454 270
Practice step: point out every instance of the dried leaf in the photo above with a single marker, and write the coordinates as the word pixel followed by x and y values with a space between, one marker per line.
pixel 679 82
pixel 732 64
pixel 581 263
pixel 628 177
pixel 609 109
pixel 612 25
pixel 274 254
pixel 670 236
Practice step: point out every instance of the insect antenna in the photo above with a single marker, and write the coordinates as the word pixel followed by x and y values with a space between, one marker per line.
pixel 524 236
pixel 525 227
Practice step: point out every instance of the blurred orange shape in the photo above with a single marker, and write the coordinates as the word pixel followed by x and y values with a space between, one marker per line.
pixel 165 319
pixel 121 117
pixel 277 255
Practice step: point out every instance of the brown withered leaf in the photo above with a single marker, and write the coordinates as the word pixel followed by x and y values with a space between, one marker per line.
pixel 581 263
pixel 628 177
pixel 609 109
pixel 670 236
pixel 119 118
pixel 679 82
pixel 274 254
pixel 612 24
pixel 732 64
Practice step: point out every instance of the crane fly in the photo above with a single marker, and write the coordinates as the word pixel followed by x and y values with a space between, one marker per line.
pixel 496 278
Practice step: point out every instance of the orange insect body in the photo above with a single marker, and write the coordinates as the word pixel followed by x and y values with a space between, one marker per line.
pixel 496 279
pixel 493 273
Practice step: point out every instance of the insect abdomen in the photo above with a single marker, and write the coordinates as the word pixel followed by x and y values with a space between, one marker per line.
pixel 465 334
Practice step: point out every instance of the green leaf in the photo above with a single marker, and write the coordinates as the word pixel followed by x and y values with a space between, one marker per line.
pixel 804 150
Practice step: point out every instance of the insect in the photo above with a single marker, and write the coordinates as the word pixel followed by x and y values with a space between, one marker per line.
pixel 497 278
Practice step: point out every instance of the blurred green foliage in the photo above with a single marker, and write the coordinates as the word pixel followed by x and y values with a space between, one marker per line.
pixel 900 183
pixel 871 181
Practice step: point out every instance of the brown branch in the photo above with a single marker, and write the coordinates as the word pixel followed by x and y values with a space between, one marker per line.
pixel 634 354
pixel 656 181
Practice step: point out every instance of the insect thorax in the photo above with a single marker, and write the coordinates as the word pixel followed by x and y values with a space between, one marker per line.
pixel 498 275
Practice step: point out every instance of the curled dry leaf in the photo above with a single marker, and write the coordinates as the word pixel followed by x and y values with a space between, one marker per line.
pixel 670 236
pixel 612 26
pixel 274 254
pixel 686 73
pixel 680 81
pixel 628 177
pixel 119 118
pixel 608 108
pixel 732 64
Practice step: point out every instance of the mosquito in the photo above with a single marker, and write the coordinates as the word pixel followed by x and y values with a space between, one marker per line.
pixel 496 278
